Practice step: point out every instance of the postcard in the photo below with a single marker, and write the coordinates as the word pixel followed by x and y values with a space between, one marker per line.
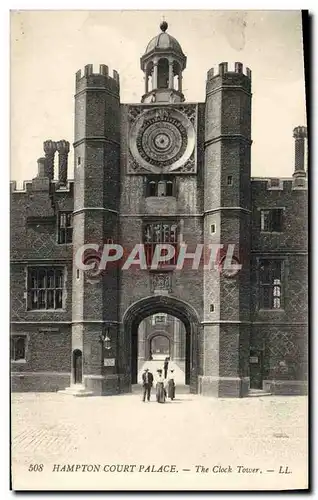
pixel 159 261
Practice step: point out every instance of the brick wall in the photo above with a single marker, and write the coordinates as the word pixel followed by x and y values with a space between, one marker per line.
pixel 48 357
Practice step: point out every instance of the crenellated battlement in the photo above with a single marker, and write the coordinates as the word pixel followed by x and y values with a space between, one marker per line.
pixel 90 77
pixel 279 183
pixel 300 132
pixel 225 68
pixel 27 186
pixel 44 179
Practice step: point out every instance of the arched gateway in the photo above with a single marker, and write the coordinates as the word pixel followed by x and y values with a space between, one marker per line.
pixel 148 306
pixel 159 344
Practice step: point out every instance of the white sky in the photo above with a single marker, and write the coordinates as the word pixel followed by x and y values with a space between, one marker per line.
pixel 48 47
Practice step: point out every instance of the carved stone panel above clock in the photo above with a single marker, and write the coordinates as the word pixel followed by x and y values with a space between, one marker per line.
pixel 162 139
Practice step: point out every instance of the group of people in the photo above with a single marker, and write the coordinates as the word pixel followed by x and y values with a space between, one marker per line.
pixel 165 386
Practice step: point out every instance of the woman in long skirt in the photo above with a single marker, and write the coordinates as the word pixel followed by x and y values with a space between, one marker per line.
pixel 160 388
pixel 171 386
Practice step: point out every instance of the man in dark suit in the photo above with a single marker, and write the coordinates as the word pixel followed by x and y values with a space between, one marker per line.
pixel 165 366
pixel 147 381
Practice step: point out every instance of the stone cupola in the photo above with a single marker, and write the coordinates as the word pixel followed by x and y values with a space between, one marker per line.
pixel 163 63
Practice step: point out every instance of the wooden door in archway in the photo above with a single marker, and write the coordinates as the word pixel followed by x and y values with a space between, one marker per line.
pixel 77 366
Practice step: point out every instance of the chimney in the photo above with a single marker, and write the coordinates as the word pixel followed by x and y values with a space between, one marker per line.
pixel 41 181
pixel 63 148
pixel 41 167
pixel 299 175
pixel 49 150
pixel 300 134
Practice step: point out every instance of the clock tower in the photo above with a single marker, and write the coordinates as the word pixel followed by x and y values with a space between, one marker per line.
pixel 168 172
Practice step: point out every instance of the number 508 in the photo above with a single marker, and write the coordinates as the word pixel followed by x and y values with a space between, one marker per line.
pixel 35 467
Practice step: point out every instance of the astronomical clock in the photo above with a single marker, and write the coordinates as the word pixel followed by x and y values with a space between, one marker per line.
pixel 162 139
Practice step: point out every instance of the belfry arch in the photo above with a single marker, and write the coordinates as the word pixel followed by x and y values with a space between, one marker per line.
pixel 172 306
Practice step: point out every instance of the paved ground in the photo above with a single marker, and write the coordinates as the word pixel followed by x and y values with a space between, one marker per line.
pixel 257 433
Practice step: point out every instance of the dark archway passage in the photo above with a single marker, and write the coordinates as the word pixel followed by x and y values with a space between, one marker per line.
pixel 174 307
pixel 160 344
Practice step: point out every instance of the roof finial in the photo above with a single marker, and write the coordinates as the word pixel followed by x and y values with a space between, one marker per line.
pixel 164 25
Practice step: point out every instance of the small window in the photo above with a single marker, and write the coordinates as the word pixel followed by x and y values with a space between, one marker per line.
pixel 162 188
pixel 159 318
pixel 272 220
pixel 77 274
pixel 211 308
pixel 229 180
pixel 18 347
pixel 169 188
pixel 78 160
pixel 212 228
pixel 65 228
pixel 275 183
pixel 152 188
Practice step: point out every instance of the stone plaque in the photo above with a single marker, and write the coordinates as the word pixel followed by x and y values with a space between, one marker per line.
pixel 161 281
pixel 109 361
pixel 254 360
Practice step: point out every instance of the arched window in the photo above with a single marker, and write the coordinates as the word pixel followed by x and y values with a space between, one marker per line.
pixel 161 188
pixel 163 74
pixel 148 77
pixel 152 188
pixel 169 188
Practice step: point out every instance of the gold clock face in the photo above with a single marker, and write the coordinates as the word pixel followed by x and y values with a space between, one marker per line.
pixel 162 140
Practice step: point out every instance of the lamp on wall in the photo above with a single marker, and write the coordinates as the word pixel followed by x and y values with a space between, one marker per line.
pixel 106 339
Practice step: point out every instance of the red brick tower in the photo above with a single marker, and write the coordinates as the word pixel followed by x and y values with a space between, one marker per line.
pixel 227 222
pixel 96 152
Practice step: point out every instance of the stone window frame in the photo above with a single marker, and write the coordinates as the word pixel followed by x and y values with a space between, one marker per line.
pixel 48 266
pixel 26 348
pixel 164 221
pixel 283 284
pixel 269 209
pixel 66 229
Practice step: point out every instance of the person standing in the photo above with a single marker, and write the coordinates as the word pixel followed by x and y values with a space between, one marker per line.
pixel 165 366
pixel 160 388
pixel 171 386
pixel 147 381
